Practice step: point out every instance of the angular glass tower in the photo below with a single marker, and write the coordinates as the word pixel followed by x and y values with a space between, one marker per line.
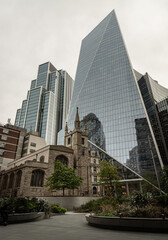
pixel 48 99
pixel 154 97
pixel 107 89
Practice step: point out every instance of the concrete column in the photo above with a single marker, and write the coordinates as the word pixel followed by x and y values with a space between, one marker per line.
pixel 127 188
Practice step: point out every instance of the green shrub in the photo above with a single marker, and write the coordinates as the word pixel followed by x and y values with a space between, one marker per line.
pixel 106 214
pixel 25 205
pixel 97 205
pixel 162 200
pixel 140 199
pixel 57 209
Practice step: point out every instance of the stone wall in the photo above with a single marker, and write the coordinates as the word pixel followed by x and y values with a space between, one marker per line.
pixel 68 202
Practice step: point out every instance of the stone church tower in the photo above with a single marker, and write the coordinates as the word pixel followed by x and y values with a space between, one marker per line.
pixel 28 175
pixel 78 141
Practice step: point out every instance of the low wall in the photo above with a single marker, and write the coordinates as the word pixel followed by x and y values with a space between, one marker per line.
pixel 129 223
pixel 68 202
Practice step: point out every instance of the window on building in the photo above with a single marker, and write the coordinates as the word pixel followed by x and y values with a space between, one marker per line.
pixel 3 137
pixel 95 178
pixel 32 150
pixel 94 190
pixel 2 145
pixel 18 178
pixel 69 140
pixel 26 138
pixel 1 152
pixel 83 141
pixel 5 181
pixel 37 178
pixel 11 180
pixel 42 159
pixel 5 130
pixel 25 145
pixel 95 169
pixel 24 151
pixel 83 152
pixel 33 144
pixel 62 159
pixel 94 161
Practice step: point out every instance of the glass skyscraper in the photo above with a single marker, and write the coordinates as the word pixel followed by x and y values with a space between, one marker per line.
pixel 47 103
pixel 108 96
pixel 154 95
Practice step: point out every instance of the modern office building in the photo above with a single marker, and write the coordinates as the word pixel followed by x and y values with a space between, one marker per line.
pixel 45 109
pixel 32 142
pixel 162 108
pixel 107 88
pixel 154 96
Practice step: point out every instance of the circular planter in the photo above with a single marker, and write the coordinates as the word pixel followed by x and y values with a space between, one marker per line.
pixel 24 217
pixel 129 223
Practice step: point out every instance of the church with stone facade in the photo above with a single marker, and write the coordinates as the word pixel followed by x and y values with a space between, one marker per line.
pixel 27 176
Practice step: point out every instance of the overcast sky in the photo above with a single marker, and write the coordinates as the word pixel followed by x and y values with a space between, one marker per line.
pixel 37 31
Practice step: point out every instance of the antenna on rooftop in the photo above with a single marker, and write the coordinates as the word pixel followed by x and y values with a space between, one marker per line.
pixel 9 121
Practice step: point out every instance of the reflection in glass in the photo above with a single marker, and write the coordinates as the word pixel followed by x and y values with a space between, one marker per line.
pixel 105 86
pixel 95 131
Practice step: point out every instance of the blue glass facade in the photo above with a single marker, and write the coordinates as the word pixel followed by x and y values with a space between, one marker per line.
pixel 17 116
pixel 33 84
pixel 52 82
pixel 32 116
pixel 41 110
pixel 105 86
pixel 23 114
pixel 153 95
pixel 109 99
pixel 42 78
pixel 45 114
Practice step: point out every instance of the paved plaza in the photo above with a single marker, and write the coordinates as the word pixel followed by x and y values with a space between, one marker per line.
pixel 69 227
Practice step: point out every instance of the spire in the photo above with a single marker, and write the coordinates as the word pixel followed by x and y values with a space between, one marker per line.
pixel 77 121
pixel 66 128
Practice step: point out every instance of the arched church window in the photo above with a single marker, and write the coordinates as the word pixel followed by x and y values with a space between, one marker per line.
pixel 5 181
pixel 11 180
pixel 18 178
pixel 62 159
pixel 37 178
pixel 42 159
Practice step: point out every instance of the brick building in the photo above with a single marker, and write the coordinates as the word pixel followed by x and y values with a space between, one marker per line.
pixel 11 141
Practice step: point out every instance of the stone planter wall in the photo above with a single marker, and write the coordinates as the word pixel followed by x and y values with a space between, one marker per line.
pixel 128 223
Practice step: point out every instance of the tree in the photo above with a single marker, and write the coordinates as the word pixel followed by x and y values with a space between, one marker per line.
pixel 109 176
pixel 63 177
